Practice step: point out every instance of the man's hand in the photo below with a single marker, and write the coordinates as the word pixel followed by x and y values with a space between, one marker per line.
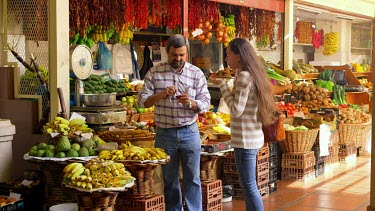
pixel 184 99
pixel 169 91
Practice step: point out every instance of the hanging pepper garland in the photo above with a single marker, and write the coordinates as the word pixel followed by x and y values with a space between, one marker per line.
pixel 318 38
pixel 156 10
pixel 242 23
pixel 173 13
pixel 198 9
pixel 264 28
pixel 78 16
pixel 141 14
pixel 129 13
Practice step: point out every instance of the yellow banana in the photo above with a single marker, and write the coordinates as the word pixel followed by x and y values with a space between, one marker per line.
pixel 89 185
pixel 78 172
pixel 76 122
pixel 77 167
pixel 69 167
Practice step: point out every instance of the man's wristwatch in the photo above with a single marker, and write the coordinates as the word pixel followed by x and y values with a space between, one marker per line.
pixel 190 105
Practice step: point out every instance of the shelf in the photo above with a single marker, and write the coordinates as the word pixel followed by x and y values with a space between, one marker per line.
pixel 151 34
pixel 367 49
pixel 303 44
pixel 362 27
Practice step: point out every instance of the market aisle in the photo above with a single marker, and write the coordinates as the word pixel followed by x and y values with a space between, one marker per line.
pixel 343 186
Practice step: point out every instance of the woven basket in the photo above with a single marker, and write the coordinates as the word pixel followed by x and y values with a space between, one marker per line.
pixel 53 190
pixel 348 132
pixel 104 200
pixel 144 185
pixel 360 135
pixel 207 167
pixel 298 141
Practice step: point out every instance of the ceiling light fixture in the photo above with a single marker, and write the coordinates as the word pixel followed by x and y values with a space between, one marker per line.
pixel 345 18
pixel 309 10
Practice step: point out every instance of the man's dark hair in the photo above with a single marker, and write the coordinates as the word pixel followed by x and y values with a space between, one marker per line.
pixel 177 41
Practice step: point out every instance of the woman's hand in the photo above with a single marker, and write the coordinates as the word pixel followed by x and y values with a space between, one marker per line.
pixel 213 79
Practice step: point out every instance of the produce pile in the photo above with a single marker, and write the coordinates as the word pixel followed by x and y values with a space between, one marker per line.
pixel 66 127
pixel 130 152
pixel 66 147
pixel 95 84
pixel 124 134
pixel 97 174
pixel 353 116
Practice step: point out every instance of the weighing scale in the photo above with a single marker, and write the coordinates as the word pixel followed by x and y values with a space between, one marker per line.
pixel 98 118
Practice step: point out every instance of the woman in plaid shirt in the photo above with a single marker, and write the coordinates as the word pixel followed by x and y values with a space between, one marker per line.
pixel 251 104
pixel 178 90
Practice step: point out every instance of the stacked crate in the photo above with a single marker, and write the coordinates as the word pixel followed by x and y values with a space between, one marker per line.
pixel 212 193
pixel 333 149
pixel 319 160
pixel 298 166
pixel 231 177
pixel 347 152
pixel 154 203
pixel 274 154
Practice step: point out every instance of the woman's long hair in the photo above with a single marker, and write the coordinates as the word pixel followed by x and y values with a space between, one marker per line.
pixel 250 62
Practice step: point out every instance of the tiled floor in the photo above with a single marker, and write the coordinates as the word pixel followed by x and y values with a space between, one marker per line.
pixel 343 186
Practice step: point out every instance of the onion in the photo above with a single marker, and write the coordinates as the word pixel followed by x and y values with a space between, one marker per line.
pixel 206 41
pixel 208 35
pixel 273 81
pixel 219 34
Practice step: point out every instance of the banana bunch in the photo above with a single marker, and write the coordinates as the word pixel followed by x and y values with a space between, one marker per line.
pixel 125 35
pixel 229 20
pixel 230 28
pixel 100 33
pixel 131 152
pixel 331 43
pixel 97 173
pixel 66 127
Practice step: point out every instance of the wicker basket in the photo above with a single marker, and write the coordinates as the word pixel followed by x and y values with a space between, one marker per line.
pixel 147 141
pixel 144 185
pixel 104 200
pixel 361 132
pixel 207 167
pixel 348 132
pixel 53 190
pixel 298 141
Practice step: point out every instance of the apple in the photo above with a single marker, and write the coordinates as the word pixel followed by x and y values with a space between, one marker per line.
pixel 123 99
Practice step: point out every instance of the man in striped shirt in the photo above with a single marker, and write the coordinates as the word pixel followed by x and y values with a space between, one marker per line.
pixel 178 90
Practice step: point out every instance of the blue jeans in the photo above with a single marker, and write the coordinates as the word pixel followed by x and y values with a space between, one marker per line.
pixel 182 145
pixel 246 160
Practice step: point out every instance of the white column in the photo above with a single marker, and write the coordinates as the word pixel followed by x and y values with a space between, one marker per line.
pixel 58 40
pixel 288 35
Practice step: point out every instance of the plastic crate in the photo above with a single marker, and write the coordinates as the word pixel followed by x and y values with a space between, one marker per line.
pixel 273 161
pixel 301 161
pixel 229 167
pixel 298 174
pixel 231 178
pixel 229 159
pixel 263 178
pixel 263 152
pixel 155 203
pixel 346 149
pixel 349 158
pixel 263 166
pixel 211 191
pixel 318 158
pixel 272 187
pixel 273 148
pixel 273 175
pixel 213 206
pixel 264 190
pixel 319 169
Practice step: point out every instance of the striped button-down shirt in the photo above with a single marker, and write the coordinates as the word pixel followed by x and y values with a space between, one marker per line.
pixel 245 126
pixel 169 112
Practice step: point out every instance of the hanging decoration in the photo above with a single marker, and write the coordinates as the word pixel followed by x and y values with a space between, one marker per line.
pixel 264 27
pixel 141 14
pixel 156 10
pixel 318 38
pixel 303 32
pixel 331 43
pixel 242 23
pixel 173 12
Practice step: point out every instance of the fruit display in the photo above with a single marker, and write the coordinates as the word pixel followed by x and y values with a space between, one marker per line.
pixel 65 148
pixel 331 43
pixel 66 127
pixel 6 200
pixel 130 152
pixel 209 118
pixel 230 27
pixel 353 116
pixel 364 82
pixel 97 174
pixel 95 84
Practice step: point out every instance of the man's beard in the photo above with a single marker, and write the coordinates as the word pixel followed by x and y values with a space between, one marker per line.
pixel 177 64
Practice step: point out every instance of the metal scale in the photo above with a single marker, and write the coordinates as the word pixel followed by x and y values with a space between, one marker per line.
pixel 99 118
